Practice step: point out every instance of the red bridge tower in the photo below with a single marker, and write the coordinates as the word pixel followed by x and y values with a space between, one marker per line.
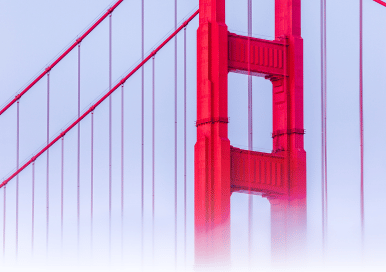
pixel 221 169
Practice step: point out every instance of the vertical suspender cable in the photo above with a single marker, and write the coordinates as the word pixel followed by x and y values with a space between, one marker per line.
pixel 153 155
pixel 142 125
pixel 175 134
pixel 122 164
pixel 62 194
pixel 48 161
pixel 325 118
pixel 250 135
pixel 33 209
pixel 17 177
pixel 78 156
pixel 361 119
pixel 4 217
pixel 250 131
pixel 110 120
pixel 185 146
pixel 92 183
pixel 322 47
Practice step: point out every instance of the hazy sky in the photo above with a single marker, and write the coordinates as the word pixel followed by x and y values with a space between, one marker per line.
pixel 34 32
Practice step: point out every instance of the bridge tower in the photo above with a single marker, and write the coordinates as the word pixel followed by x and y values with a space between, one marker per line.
pixel 221 169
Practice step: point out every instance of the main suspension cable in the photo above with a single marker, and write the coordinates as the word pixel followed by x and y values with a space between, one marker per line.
pixel 65 53
pixel 96 104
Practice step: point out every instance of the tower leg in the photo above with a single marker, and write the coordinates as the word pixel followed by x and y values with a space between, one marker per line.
pixel 288 231
pixel 212 150
pixel 212 207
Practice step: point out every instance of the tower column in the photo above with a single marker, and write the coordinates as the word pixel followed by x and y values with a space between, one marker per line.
pixel 212 149
pixel 289 213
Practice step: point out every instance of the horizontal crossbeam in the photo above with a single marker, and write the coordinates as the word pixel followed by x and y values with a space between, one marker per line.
pixel 258 172
pixel 258 57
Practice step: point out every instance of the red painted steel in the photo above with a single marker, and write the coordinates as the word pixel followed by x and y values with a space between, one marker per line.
pixel 266 58
pixel 212 149
pixel 219 168
pixel 265 176
pixel 65 53
pixel 380 2
pixel 103 98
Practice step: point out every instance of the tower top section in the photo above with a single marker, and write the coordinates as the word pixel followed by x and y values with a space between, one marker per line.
pixel 287 18
pixel 212 11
